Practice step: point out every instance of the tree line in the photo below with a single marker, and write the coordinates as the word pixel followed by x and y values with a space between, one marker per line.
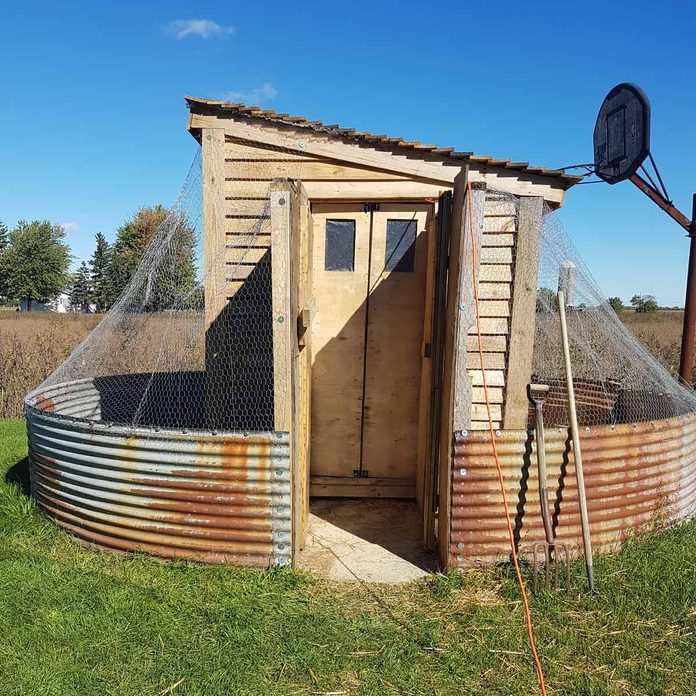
pixel 35 261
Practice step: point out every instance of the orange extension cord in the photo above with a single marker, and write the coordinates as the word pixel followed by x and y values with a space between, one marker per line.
pixel 520 581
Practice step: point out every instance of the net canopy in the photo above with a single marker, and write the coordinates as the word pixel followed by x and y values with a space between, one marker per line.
pixel 160 358
pixel 616 379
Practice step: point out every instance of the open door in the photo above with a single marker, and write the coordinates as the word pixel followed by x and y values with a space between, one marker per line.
pixel 435 353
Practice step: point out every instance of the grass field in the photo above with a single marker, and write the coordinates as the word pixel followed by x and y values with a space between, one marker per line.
pixel 79 621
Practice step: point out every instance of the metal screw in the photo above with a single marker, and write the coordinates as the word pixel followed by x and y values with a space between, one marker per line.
pixel 279 472
pixel 462 472
pixel 281 201
pixel 281 319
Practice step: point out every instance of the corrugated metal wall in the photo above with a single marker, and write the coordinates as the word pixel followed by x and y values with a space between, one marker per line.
pixel 219 498
pixel 636 475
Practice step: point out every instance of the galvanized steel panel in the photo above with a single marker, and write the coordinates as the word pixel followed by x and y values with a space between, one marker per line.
pixel 213 497
pixel 637 475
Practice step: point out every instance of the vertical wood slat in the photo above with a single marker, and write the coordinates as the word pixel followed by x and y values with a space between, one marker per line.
pixel 281 194
pixel 213 174
pixel 523 314
pixel 301 278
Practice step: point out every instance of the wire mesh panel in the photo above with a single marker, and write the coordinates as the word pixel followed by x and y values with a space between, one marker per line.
pixel 189 343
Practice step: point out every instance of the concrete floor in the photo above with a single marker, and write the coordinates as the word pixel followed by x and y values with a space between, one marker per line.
pixel 366 539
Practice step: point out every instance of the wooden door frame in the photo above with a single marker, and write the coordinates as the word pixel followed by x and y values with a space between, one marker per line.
pixel 291 272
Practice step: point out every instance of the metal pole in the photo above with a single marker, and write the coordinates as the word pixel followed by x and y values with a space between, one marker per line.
pixel 687 348
pixel 584 518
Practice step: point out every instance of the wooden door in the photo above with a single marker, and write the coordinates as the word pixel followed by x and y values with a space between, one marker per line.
pixel 396 302
pixel 369 270
pixel 340 280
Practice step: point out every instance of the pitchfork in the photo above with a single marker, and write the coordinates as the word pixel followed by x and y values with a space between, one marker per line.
pixel 554 552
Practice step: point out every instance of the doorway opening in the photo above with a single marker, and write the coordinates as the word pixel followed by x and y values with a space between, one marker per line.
pixel 370 283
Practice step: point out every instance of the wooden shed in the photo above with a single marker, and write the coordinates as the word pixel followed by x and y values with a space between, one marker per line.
pixel 374 338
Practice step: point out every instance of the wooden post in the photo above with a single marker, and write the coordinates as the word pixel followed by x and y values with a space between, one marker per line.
pixel 454 415
pixel 213 165
pixel 291 272
pixel 282 194
pixel 214 283
pixel 301 278
pixel 523 316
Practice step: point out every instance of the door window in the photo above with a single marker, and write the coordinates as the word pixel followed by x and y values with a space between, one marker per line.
pixel 400 249
pixel 339 251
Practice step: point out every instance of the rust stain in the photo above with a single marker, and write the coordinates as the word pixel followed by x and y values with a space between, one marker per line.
pixel 45 403
pixel 217 498
pixel 637 476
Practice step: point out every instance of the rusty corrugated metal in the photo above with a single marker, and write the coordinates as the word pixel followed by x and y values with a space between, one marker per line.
pixel 636 475
pixel 218 498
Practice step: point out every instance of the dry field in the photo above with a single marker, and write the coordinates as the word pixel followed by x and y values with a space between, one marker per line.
pixel 659 332
pixel 32 345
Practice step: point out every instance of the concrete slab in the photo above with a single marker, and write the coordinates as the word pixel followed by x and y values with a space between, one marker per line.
pixel 367 540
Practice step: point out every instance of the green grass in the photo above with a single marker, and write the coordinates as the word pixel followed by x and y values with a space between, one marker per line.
pixel 78 621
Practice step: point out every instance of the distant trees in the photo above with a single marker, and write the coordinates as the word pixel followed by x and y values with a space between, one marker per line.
pixel 4 241
pixel 644 304
pixel 547 300
pixel 616 304
pixel 81 292
pixel 34 261
pixel 99 264
pixel 173 273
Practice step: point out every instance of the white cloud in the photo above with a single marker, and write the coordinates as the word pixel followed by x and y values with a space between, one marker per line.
pixel 204 28
pixel 254 96
pixel 70 226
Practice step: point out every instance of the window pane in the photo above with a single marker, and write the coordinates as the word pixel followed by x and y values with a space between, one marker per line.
pixel 339 253
pixel 401 245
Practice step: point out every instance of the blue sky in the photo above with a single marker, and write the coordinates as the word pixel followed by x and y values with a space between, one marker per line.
pixel 93 123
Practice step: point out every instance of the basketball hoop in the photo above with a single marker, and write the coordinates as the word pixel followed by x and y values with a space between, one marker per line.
pixel 621 143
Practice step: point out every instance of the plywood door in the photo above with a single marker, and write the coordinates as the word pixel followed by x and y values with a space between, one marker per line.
pixel 398 269
pixel 338 344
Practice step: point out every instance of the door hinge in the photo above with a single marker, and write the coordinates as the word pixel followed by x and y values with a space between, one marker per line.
pixel 370 207
pixel 361 473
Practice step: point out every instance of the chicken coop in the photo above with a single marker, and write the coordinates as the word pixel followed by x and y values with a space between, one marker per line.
pixel 369 302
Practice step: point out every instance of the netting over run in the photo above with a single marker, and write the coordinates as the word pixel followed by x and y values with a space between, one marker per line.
pixel 189 343
pixel 157 357
pixel 616 379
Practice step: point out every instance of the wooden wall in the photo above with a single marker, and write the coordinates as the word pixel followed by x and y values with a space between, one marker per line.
pixel 249 170
pixel 507 293
pixel 495 292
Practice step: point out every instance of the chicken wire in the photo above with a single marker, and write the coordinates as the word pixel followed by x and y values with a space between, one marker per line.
pixel 616 379
pixel 188 344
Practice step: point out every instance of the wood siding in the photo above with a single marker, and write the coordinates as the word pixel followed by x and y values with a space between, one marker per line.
pixel 495 291
pixel 249 170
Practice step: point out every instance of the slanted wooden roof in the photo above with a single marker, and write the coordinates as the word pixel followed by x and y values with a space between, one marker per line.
pixel 447 155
